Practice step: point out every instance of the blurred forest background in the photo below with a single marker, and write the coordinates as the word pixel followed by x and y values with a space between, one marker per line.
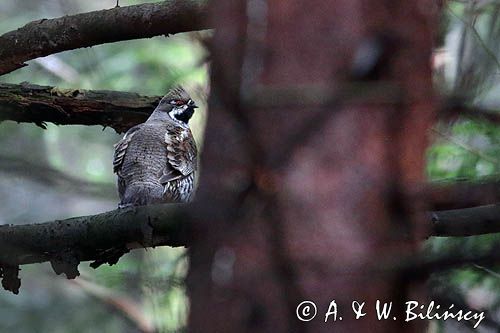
pixel 467 66
pixel 66 171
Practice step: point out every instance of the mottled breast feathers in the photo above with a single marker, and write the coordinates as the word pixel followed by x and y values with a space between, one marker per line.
pixel 181 154
pixel 181 150
pixel 155 162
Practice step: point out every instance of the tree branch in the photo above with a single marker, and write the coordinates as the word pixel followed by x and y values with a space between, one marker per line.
pixel 39 104
pixel 464 208
pixel 88 236
pixel 103 238
pixel 48 36
pixel 466 222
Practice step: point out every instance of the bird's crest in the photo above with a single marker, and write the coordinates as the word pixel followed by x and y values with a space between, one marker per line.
pixel 176 92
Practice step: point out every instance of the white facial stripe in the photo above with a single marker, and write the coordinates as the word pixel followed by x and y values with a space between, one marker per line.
pixel 176 110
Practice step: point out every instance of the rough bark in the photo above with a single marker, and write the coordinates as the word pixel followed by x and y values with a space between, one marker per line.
pixel 39 104
pixel 88 237
pixel 102 238
pixel 48 36
pixel 309 198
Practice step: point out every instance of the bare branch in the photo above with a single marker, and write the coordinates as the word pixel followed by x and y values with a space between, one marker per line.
pixel 44 37
pixel 104 238
pixel 88 236
pixel 467 222
pixel 464 208
pixel 121 110
pixel 40 104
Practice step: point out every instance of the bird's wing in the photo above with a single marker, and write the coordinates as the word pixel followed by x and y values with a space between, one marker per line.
pixel 181 154
pixel 121 149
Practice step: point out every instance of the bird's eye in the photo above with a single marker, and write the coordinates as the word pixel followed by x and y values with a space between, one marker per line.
pixel 177 102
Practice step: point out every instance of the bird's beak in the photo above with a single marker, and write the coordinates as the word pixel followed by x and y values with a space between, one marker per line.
pixel 191 104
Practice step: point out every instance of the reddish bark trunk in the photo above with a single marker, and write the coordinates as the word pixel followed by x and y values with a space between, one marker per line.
pixel 307 200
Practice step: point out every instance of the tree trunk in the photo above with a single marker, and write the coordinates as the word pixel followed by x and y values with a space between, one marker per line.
pixel 306 201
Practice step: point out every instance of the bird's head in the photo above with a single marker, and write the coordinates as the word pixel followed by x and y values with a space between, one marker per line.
pixel 178 104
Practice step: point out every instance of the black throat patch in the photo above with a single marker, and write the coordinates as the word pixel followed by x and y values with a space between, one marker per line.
pixel 185 116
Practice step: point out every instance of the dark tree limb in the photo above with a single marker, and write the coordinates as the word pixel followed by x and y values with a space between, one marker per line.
pixel 466 222
pixel 48 36
pixel 32 103
pixel 39 104
pixel 464 208
pixel 102 238
pixel 88 236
